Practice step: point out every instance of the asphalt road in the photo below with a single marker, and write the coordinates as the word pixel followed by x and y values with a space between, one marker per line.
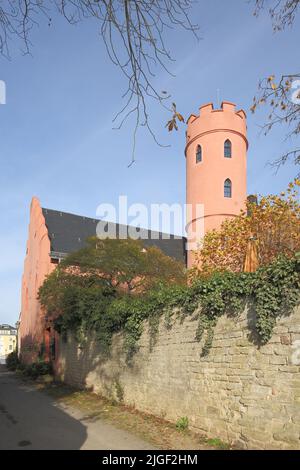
pixel 30 419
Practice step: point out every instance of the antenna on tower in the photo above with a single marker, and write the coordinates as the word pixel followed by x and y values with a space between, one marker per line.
pixel 218 97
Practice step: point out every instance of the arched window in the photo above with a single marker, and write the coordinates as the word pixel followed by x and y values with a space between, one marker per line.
pixel 199 154
pixel 227 188
pixel 227 149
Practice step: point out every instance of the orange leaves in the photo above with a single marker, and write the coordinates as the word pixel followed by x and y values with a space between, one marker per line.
pixel 292 184
pixel 274 222
pixel 270 80
pixel 172 124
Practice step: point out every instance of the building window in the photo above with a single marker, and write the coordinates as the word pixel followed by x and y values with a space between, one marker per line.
pixel 227 149
pixel 199 154
pixel 227 188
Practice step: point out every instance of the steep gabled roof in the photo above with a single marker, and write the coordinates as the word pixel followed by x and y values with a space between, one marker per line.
pixel 69 232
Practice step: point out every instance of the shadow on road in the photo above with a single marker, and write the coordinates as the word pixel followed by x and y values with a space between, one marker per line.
pixel 32 420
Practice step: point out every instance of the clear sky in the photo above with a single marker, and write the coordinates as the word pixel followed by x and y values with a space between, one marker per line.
pixel 56 136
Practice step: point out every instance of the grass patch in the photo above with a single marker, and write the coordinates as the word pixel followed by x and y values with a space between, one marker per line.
pixel 182 424
pixel 218 443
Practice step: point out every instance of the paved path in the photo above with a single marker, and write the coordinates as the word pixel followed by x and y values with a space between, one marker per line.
pixel 30 419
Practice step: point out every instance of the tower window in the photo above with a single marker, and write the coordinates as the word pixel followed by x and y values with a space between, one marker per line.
pixel 227 188
pixel 199 154
pixel 227 149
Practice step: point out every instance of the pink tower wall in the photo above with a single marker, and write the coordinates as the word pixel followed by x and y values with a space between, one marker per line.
pixel 36 266
pixel 205 180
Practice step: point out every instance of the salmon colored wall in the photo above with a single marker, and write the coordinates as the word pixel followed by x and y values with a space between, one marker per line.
pixel 205 180
pixel 36 266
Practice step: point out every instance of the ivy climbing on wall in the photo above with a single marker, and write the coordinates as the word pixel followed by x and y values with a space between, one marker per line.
pixel 273 290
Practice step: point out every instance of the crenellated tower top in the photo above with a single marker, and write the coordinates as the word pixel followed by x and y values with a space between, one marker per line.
pixel 227 119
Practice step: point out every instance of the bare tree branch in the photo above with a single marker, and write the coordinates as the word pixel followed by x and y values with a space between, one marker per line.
pixel 133 32
pixel 293 155
pixel 282 12
pixel 283 99
pixel 282 95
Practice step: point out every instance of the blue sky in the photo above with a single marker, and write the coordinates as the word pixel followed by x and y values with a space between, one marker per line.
pixel 56 136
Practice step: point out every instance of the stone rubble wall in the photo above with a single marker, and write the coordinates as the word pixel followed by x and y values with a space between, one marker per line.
pixel 242 393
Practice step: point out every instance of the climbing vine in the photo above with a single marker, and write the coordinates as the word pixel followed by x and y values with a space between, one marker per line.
pixel 276 291
pixel 273 290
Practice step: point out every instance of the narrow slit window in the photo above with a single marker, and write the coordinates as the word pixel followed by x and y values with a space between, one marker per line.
pixel 227 149
pixel 227 188
pixel 199 154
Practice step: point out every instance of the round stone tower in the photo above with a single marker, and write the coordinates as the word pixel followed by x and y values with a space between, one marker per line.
pixel 216 159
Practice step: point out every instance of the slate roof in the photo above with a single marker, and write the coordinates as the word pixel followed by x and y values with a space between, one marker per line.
pixel 69 232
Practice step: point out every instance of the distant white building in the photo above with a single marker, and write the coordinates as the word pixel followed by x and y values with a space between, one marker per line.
pixel 8 341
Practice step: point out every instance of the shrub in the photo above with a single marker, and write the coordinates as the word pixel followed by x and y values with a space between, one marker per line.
pixel 275 224
pixel 12 361
pixel 36 369
pixel 21 367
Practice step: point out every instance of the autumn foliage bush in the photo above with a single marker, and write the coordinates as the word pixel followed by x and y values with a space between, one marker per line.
pixel 274 222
